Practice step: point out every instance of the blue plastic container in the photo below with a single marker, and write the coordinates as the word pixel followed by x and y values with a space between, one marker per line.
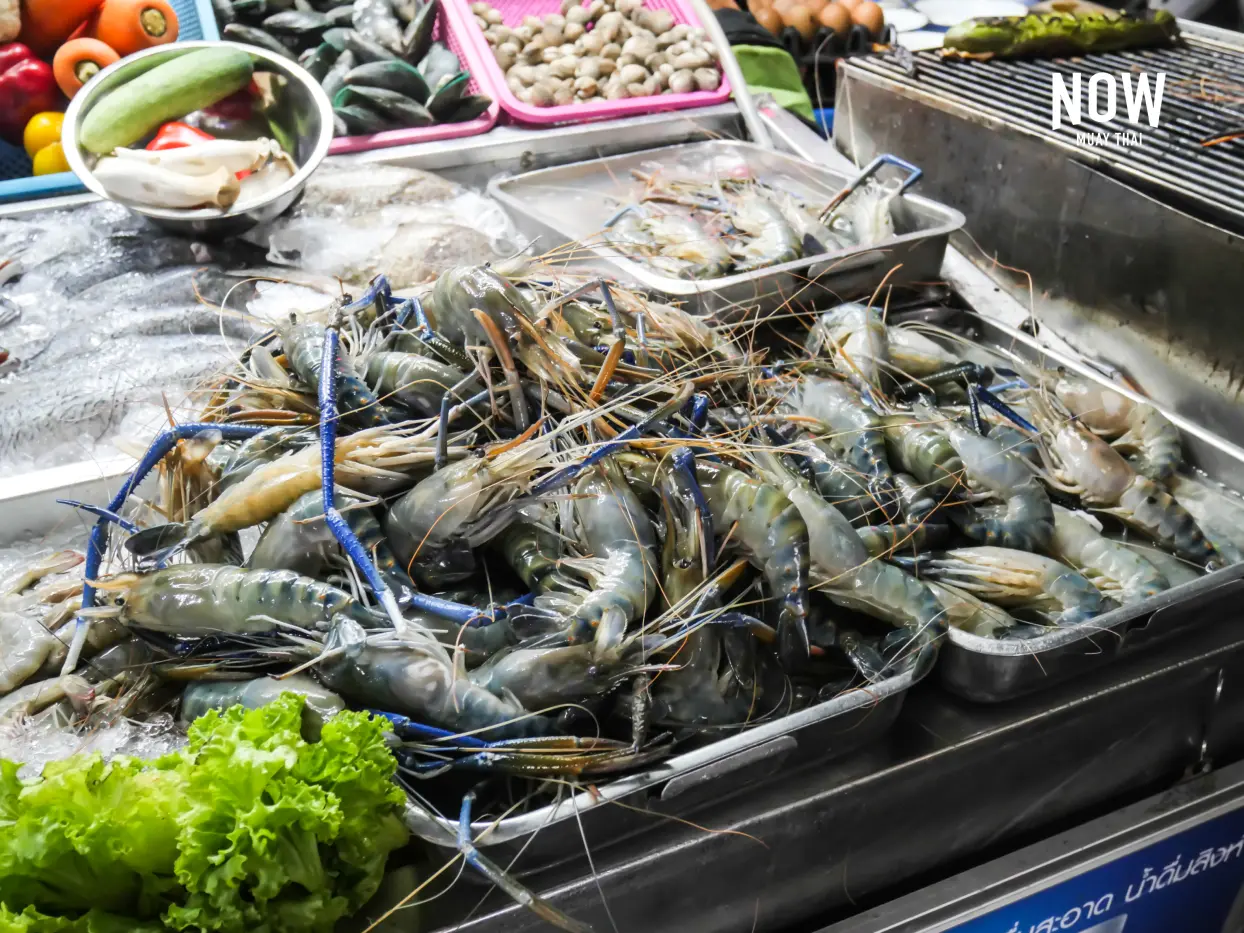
pixel 195 20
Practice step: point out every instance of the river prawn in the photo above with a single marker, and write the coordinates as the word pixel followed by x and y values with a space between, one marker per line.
pixel 303 343
pixel 372 460
pixel 686 249
pixel 299 539
pixel 320 706
pixel 1025 519
pixel 1137 429
pixel 975 616
pixel 843 569
pixel 197 600
pixel 418 382
pixel 857 432
pixel 616 535
pixel 856 339
pixel 771 531
pixel 1013 579
pixel 1083 464
pixel 769 239
pixel 1219 514
pixel 441 509
pixel 1115 569
pixel 386 672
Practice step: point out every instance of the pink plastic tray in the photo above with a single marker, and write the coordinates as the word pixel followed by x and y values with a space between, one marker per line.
pixel 512 12
pixel 449 31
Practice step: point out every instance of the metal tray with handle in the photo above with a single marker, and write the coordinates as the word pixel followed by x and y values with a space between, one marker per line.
pixel 696 779
pixel 571 204
pixel 991 670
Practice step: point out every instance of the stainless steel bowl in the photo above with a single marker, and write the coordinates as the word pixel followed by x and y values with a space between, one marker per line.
pixel 309 122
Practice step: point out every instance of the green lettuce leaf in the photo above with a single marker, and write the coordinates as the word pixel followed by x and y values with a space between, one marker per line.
pixel 249 829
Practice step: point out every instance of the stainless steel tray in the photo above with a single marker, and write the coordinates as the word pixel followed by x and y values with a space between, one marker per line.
pixel 696 779
pixel 990 670
pixel 571 203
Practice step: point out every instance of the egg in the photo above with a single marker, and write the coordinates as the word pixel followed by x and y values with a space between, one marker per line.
pixel 799 19
pixel 815 6
pixel 849 5
pixel 835 18
pixel 870 16
pixel 769 19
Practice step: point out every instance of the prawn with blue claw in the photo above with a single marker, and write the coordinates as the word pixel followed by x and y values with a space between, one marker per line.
pixel 554 531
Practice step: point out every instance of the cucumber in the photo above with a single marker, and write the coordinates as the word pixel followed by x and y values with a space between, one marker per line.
pixel 169 91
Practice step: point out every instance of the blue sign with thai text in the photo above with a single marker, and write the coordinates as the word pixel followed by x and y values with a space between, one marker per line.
pixel 1187 883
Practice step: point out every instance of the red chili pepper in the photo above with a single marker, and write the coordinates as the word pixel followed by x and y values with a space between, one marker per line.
pixel 177 136
pixel 27 88
pixel 12 53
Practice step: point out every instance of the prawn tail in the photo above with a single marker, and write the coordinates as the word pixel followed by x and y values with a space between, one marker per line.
pixel 160 542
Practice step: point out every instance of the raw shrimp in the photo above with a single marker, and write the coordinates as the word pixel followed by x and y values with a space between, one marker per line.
pixel 857 434
pixel 1137 429
pixel 321 704
pixel 1025 520
pixel 235 464
pixel 920 449
pixel 814 236
pixel 304 348
pixel 695 333
pixel 540 678
pixel 856 339
pixel 442 508
pixel 914 355
pixel 1176 571
pixel 616 534
pixel 366 461
pixel 687 251
pixel 533 550
pixel 770 239
pixel 1218 513
pixel 1083 464
pixel 195 600
pixel 36 697
pixel 841 485
pixel 28 574
pixel 975 616
pixel 769 528
pixel 300 540
pixel 1115 569
pixel 384 672
pixel 464 289
pixel 25 648
pixel 843 569
pixel 1019 580
pixel 418 382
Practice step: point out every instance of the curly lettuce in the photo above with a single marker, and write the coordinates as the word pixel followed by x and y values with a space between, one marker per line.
pixel 248 828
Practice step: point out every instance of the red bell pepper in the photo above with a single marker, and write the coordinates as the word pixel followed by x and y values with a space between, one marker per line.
pixel 177 136
pixel 13 53
pixel 27 87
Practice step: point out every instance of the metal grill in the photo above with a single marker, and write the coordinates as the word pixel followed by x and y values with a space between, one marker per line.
pixel 1204 96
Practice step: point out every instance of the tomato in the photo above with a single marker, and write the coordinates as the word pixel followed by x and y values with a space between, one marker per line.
pixel 50 159
pixel 42 130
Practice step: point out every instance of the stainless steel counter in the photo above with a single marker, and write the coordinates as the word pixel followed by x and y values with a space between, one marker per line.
pixel 954 785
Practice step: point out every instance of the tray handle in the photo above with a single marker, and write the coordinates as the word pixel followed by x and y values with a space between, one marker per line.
pixel 764 758
pixel 914 174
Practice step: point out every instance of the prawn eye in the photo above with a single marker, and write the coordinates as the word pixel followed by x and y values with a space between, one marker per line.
pixel 118 600
pixel 593 671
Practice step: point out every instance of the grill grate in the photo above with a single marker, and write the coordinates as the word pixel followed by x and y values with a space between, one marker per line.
pixel 1204 95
